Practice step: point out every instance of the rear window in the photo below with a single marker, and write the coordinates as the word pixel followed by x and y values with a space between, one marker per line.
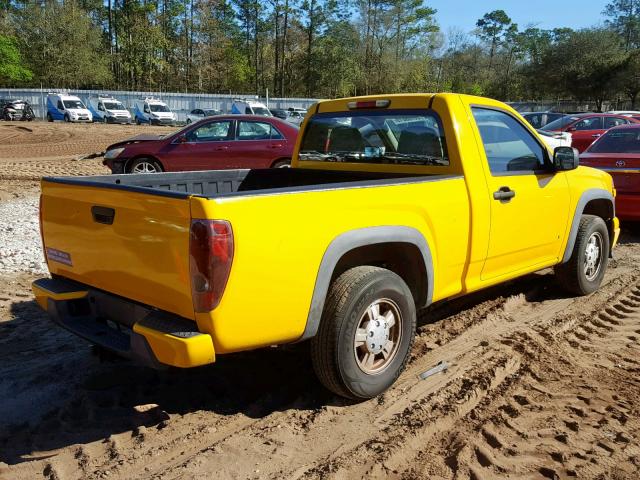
pixel 618 141
pixel 560 123
pixel 410 137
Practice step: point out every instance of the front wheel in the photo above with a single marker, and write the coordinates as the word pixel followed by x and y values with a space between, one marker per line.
pixel 145 165
pixel 584 271
pixel 365 334
pixel 67 118
pixel 49 117
pixel 282 164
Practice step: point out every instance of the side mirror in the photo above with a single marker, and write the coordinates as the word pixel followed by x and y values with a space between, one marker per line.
pixel 182 139
pixel 571 129
pixel 566 158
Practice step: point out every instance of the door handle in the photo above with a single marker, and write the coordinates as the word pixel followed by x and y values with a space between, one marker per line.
pixel 222 148
pixel 277 145
pixel 504 194
pixel 596 135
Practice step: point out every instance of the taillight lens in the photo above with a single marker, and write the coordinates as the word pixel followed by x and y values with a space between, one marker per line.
pixel 211 254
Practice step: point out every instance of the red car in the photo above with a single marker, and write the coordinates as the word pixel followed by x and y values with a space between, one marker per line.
pixel 214 143
pixel 618 152
pixel 586 127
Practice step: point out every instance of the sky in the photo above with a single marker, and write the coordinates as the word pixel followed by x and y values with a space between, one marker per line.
pixel 546 14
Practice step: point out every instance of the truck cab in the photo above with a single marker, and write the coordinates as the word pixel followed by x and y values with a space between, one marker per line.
pixel 153 112
pixel 68 108
pixel 108 109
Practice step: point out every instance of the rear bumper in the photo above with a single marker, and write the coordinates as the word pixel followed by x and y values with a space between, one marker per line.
pixel 126 328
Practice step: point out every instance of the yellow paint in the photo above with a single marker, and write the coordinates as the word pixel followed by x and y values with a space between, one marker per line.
pixel 42 295
pixel 176 351
pixel 280 239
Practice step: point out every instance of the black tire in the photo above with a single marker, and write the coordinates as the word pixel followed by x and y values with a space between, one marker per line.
pixel 138 162
pixel 67 119
pixel 333 350
pixel 49 117
pixel 137 121
pixel 572 275
pixel 188 121
pixel 282 164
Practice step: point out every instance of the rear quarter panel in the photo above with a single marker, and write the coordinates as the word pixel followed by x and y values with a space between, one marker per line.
pixel 280 241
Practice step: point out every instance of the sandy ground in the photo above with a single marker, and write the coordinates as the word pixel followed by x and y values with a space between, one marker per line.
pixel 540 385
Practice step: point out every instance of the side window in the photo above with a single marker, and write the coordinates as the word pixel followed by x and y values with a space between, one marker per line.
pixel 535 120
pixel 610 122
pixel 60 105
pixel 507 143
pixel 146 108
pixel 254 131
pixel 210 132
pixel 275 134
pixel 248 111
pixel 591 123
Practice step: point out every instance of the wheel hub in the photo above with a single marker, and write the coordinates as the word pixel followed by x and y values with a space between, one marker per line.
pixel 592 254
pixel 377 335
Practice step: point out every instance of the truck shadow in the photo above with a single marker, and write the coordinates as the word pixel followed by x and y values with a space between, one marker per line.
pixel 55 393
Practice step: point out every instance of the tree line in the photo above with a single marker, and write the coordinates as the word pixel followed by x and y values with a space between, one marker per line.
pixel 312 48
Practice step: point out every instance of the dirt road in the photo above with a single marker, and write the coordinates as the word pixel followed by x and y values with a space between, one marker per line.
pixel 540 385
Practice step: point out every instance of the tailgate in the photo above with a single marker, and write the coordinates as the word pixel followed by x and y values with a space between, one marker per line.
pixel 131 243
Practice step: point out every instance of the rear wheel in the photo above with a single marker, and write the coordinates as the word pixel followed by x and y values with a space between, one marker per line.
pixel 584 271
pixel 145 165
pixel 282 164
pixel 365 334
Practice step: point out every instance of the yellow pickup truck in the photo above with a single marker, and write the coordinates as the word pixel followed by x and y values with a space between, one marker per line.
pixel 393 202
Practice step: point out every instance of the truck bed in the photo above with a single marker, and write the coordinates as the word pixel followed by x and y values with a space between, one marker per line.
pixel 219 183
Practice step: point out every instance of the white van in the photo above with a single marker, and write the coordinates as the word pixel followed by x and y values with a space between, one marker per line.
pixel 69 108
pixel 250 107
pixel 108 110
pixel 154 112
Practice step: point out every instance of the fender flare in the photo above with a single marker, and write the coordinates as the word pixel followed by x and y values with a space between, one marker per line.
pixel 586 197
pixel 347 241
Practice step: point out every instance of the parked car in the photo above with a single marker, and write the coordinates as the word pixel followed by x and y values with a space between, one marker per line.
pixel 221 142
pixel 392 203
pixel 618 153
pixel 586 127
pixel 200 113
pixel 540 119
pixel 65 107
pixel 279 113
pixel 154 112
pixel 296 117
pixel 108 109
pixel 555 139
pixel 249 107
pixel 17 110
pixel 626 113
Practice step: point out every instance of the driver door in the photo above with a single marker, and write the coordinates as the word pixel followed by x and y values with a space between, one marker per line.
pixel 529 202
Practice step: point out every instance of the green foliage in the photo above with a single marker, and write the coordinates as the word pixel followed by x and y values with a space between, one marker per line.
pixel 61 46
pixel 12 70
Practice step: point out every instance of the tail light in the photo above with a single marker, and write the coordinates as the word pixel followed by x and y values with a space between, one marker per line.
pixel 211 254
pixel 368 104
